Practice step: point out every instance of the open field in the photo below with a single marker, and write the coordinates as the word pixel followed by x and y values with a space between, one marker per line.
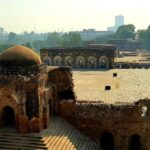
pixel 127 87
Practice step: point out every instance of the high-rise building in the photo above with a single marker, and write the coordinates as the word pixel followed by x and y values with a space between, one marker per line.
pixel 119 21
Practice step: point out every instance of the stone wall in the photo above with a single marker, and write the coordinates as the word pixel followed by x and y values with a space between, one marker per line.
pixel 20 89
pixel 61 78
pixel 122 121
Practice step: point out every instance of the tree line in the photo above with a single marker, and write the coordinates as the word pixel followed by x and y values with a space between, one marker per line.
pixel 53 39
pixel 56 39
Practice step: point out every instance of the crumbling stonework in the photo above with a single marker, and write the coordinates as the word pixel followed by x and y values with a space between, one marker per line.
pixel 121 121
pixel 29 91
pixel 30 95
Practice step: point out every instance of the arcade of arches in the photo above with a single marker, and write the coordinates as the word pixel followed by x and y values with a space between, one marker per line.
pixel 80 62
pixel 101 57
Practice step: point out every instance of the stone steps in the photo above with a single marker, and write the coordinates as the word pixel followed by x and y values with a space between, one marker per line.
pixel 60 135
pixel 13 141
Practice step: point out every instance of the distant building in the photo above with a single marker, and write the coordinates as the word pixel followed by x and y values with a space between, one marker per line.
pixel 90 34
pixel 119 21
pixel 1 30
pixel 3 34
pixel 124 45
pixel 94 56
pixel 112 29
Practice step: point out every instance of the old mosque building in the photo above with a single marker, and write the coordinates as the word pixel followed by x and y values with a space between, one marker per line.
pixel 94 56
pixel 31 93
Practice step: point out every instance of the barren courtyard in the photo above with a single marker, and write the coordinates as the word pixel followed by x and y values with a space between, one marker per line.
pixel 127 87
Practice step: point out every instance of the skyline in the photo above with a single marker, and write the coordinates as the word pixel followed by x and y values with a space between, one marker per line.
pixel 64 15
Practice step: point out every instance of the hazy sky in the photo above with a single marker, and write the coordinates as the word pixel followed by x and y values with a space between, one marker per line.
pixel 64 15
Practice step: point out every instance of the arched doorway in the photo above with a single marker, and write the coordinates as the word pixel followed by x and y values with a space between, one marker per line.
pixel 57 61
pixel 103 62
pixel 8 116
pixel 107 141
pixel 68 61
pixel 80 62
pixel 47 60
pixel 92 63
pixel 135 142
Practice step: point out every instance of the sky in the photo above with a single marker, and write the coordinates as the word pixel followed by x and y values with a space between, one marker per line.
pixel 64 15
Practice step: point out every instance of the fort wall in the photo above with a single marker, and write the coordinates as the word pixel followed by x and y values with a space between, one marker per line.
pixel 122 121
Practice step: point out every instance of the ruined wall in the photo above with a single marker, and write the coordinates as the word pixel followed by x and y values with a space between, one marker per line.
pixel 19 88
pixel 61 78
pixel 120 120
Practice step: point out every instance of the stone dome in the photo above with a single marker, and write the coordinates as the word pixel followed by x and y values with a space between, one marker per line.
pixel 19 56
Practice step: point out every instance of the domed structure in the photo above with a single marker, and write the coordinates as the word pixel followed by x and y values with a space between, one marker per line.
pixel 19 56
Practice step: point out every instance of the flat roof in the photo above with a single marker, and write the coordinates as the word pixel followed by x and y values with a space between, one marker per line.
pixel 129 86
pixel 99 47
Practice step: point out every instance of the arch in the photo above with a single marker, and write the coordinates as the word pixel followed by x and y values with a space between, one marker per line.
pixel 80 62
pixel 107 141
pixel 47 60
pixel 57 61
pixel 135 142
pixel 68 61
pixel 92 62
pixel 11 94
pixel 8 116
pixel 104 62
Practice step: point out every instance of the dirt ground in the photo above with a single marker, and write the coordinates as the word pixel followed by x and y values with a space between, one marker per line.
pixel 130 85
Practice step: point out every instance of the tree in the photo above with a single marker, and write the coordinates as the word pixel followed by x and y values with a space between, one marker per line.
pixel 12 37
pixel 28 44
pixel 71 40
pixel 125 32
pixel 39 44
pixel 53 40
pixel 5 46
pixel 144 36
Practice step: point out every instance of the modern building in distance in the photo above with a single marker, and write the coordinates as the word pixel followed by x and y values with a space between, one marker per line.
pixel 3 34
pixel 91 34
pixel 119 21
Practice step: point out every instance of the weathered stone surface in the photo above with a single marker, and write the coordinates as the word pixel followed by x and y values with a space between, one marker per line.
pixel 23 124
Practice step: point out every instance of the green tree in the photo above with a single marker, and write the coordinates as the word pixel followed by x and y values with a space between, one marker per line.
pixel 5 46
pixel 53 40
pixel 12 37
pixel 125 32
pixel 28 44
pixel 144 36
pixel 39 44
pixel 71 40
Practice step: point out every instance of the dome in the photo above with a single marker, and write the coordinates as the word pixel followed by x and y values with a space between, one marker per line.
pixel 19 56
